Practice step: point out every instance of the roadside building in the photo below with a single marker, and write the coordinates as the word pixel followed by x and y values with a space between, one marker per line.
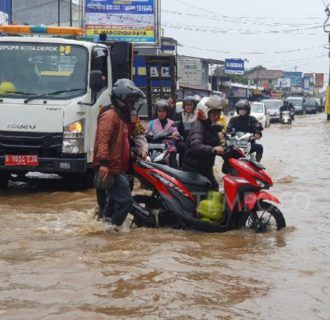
pixel 47 12
pixel 194 74
pixel 265 78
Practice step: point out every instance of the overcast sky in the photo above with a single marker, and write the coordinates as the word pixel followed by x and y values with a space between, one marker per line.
pixel 281 34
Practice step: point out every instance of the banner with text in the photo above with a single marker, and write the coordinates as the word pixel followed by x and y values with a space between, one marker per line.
pixel 319 80
pixel 124 20
pixel 296 78
pixel 234 66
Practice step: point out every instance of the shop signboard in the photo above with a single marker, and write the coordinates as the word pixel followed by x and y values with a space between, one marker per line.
pixel 135 21
pixel 319 80
pixel 295 77
pixel 234 66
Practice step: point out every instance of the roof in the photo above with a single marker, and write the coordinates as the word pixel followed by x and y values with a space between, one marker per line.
pixel 194 88
pixel 240 85
pixel 46 39
pixel 210 61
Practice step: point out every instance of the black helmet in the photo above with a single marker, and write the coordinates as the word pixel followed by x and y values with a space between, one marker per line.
pixel 124 81
pixel 243 105
pixel 162 104
pixel 123 92
pixel 190 100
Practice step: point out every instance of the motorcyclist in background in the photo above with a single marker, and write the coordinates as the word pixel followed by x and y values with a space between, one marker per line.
pixel 222 120
pixel 163 124
pixel 287 107
pixel 172 114
pixel 246 123
pixel 187 118
pixel 188 115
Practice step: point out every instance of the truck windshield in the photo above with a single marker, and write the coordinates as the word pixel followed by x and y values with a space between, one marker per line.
pixel 33 69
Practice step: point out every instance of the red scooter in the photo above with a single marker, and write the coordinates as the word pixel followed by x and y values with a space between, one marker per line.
pixel 176 195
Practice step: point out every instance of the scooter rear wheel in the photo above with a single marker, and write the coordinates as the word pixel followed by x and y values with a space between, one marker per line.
pixel 264 217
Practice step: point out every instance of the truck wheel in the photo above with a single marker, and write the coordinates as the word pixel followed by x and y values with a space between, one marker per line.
pixel 80 181
pixel 4 178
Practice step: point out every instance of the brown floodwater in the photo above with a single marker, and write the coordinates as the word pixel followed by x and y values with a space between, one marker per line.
pixel 58 262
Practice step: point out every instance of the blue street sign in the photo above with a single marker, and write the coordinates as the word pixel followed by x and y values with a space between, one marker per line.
pixel 234 66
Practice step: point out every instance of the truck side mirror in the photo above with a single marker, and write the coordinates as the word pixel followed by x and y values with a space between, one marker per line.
pixel 95 80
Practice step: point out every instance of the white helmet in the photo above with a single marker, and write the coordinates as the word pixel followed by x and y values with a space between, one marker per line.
pixel 209 103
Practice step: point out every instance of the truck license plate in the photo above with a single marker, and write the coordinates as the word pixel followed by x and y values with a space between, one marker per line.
pixel 22 160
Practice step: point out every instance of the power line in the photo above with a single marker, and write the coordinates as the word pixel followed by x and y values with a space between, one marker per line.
pixel 44 4
pixel 308 61
pixel 252 52
pixel 242 21
pixel 204 29
pixel 189 4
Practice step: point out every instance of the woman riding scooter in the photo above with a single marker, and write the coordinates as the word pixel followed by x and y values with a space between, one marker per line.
pixel 163 124
pixel 203 143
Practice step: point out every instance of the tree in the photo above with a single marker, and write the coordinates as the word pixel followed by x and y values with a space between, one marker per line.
pixel 220 72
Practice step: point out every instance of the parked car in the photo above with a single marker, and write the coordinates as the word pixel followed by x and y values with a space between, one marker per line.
pixel 273 108
pixel 310 105
pixel 259 111
pixel 319 104
pixel 298 104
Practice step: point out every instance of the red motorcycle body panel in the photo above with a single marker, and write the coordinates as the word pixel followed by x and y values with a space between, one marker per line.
pixel 162 181
pixel 232 185
pixel 250 199
pixel 250 173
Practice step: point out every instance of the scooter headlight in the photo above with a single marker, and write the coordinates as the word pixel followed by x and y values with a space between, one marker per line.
pixel 260 183
pixel 160 157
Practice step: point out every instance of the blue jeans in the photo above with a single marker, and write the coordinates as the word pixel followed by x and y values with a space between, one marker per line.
pixel 115 203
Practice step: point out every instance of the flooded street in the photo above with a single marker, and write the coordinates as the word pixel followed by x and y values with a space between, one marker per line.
pixel 58 262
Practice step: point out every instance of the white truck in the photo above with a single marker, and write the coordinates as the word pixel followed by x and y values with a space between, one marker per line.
pixel 51 92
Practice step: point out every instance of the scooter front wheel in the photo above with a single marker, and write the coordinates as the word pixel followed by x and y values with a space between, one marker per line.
pixel 265 217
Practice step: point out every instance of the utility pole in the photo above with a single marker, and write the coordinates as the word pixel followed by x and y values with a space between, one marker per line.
pixel 58 12
pixel 70 13
pixel 325 25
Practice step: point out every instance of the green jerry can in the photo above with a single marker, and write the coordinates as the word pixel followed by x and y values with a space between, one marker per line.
pixel 212 209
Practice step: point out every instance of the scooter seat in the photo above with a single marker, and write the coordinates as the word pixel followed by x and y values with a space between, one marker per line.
pixel 187 178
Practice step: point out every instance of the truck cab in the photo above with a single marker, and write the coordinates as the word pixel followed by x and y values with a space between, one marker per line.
pixel 51 92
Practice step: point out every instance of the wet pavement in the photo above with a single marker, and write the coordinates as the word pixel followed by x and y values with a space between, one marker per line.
pixel 58 262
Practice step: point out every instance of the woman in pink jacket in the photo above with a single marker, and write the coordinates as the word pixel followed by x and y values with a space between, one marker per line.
pixel 163 123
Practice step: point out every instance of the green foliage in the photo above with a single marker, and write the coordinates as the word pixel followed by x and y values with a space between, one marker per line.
pixel 219 71
pixel 249 71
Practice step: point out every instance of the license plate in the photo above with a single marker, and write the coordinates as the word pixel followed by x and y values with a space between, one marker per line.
pixel 241 144
pixel 161 146
pixel 22 160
